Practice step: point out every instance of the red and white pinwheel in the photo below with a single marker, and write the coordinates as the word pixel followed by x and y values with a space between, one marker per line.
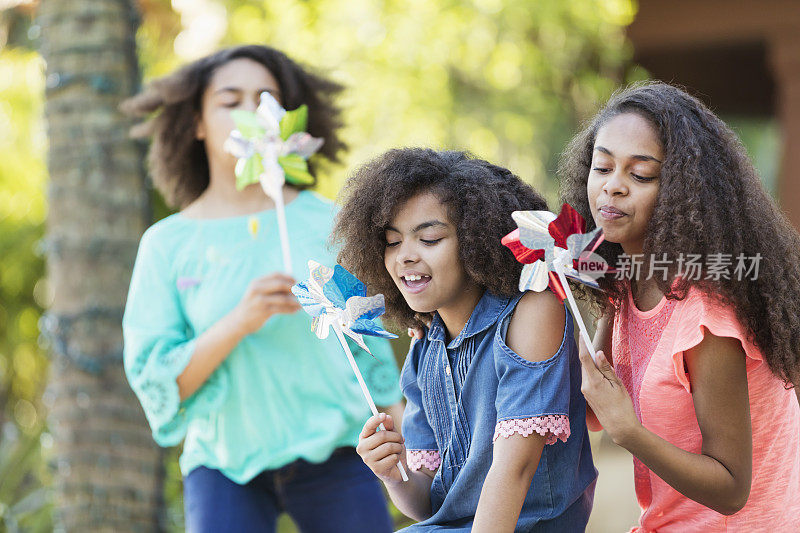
pixel 553 248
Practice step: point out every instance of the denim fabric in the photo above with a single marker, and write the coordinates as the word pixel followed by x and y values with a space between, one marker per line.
pixel 457 393
pixel 340 495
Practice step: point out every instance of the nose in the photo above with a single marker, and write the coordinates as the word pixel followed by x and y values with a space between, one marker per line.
pixel 250 104
pixel 615 184
pixel 407 253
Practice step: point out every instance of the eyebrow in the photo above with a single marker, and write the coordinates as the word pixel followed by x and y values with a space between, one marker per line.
pixel 638 157
pixel 419 227
pixel 239 90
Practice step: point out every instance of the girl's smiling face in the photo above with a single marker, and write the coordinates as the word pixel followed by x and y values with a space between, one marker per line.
pixel 422 257
pixel 624 179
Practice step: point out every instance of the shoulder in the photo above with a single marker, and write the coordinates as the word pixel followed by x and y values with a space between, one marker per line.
pixel 164 235
pixel 316 198
pixel 704 320
pixel 699 307
pixel 537 327
pixel 313 212
pixel 310 201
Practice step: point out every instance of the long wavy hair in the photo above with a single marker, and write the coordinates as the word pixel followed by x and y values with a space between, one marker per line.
pixel 710 201
pixel 177 159
pixel 479 199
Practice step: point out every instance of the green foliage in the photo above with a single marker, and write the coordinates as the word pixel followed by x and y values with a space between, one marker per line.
pixel 23 294
pixel 24 500
pixel 508 81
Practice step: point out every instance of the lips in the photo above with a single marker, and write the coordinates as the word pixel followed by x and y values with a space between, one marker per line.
pixel 415 282
pixel 608 212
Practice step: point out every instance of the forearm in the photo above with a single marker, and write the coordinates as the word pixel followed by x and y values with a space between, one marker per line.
pixel 700 477
pixel 211 349
pixel 501 499
pixel 412 497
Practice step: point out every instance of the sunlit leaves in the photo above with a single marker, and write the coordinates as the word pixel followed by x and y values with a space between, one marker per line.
pixel 508 81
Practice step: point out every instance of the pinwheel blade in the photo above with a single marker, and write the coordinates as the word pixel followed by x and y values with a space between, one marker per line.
pixel 358 338
pixel 238 146
pixel 303 145
pixel 578 242
pixel 367 307
pixel 567 223
pixel 522 253
pixel 310 304
pixel 270 113
pixel 533 230
pixel 534 277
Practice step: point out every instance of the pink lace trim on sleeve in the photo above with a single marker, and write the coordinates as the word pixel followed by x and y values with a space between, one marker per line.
pixel 416 459
pixel 551 427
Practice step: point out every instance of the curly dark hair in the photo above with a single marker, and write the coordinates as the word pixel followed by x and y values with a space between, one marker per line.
pixel 479 198
pixel 177 160
pixel 710 201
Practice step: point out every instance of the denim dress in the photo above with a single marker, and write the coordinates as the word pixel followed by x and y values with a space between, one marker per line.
pixel 463 395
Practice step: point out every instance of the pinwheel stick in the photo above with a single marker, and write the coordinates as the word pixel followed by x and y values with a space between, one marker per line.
pixel 558 265
pixel 364 388
pixel 280 212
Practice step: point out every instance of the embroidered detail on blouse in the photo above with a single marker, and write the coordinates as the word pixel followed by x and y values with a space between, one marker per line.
pixel 416 459
pixel 186 282
pixel 552 427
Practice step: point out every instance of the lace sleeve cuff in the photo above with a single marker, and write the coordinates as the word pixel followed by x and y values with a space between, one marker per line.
pixel 416 459
pixel 552 427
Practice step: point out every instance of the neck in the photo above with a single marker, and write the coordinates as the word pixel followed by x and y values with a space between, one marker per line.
pixel 456 315
pixel 221 198
pixel 633 248
pixel 646 293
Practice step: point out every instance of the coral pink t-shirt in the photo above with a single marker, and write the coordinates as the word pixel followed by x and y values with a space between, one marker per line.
pixel 648 357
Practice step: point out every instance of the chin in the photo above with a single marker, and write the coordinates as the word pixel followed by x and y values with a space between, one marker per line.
pixel 612 236
pixel 421 307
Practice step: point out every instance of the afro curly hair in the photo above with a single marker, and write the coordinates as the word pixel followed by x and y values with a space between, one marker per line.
pixel 479 199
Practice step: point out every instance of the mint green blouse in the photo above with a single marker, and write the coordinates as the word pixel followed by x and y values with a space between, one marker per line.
pixel 282 393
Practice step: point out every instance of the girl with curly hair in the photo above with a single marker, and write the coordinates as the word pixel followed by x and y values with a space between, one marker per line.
pixel 214 348
pixel 494 430
pixel 703 358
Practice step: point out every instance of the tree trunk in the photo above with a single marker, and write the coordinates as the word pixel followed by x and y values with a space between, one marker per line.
pixel 108 471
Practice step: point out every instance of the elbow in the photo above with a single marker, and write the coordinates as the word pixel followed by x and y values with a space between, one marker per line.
pixel 729 510
pixel 418 513
pixel 733 503
pixel 731 507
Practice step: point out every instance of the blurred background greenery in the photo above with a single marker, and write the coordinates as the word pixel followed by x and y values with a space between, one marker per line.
pixel 509 80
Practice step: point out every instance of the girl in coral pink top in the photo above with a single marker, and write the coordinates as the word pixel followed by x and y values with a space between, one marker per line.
pixel 702 320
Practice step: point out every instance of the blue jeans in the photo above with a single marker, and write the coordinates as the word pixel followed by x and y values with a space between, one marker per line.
pixel 340 494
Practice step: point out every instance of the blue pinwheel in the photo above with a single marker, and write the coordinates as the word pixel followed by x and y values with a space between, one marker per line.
pixel 337 299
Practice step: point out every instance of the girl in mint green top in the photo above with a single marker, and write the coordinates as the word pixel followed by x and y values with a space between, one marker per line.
pixel 282 393
pixel 215 348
